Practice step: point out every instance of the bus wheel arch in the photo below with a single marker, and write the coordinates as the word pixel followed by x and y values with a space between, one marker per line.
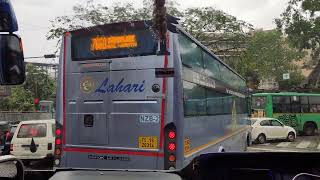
pixel 309 128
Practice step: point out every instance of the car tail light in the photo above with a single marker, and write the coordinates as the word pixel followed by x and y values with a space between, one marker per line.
pixel 49 146
pixel 11 147
pixel 170 146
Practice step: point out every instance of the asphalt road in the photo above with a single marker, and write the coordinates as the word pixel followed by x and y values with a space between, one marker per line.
pixel 301 144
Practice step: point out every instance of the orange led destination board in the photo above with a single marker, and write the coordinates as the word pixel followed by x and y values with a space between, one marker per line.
pixel 101 43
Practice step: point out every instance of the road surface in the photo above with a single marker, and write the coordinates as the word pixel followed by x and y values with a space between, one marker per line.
pixel 301 144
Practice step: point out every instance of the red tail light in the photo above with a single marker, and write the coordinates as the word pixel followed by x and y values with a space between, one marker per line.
pixel 58 132
pixel 171 146
pixel 11 147
pixel 49 146
pixel 58 141
pixel 171 134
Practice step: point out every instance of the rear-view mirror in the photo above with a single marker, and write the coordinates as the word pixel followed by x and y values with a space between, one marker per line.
pixel 8 20
pixel 11 168
pixel 12 67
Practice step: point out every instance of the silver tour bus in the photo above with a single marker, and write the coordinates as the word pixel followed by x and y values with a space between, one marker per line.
pixel 123 105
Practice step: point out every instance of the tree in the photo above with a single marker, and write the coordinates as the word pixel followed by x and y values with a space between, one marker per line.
pixel 206 24
pixel 37 85
pixel 92 14
pixel 301 23
pixel 268 56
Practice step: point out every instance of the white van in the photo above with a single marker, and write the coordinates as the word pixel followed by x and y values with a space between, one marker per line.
pixel 43 134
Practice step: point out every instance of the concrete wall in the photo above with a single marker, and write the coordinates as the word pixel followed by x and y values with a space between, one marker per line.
pixel 24 116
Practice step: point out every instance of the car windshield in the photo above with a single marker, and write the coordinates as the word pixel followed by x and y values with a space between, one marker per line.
pixel 152 84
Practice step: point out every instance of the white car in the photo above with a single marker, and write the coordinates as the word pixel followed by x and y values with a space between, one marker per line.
pixel 43 134
pixel 264 129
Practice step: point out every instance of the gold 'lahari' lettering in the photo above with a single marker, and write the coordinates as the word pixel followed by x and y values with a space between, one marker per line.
pixel 101 43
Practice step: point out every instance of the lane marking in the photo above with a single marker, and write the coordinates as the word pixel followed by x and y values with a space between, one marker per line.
pixel 283 144
pixel 303 144
pixel 271 150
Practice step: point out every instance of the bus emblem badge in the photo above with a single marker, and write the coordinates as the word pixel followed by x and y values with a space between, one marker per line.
pixel 87 84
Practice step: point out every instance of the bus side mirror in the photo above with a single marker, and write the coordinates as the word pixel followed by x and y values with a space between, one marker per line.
pixel 12 67
pixel 8 20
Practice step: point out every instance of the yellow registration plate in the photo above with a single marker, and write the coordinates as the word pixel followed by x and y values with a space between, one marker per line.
pixel 148 142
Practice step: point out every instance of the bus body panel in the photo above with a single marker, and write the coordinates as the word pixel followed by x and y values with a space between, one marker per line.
pixel 212 128
pixel 231 143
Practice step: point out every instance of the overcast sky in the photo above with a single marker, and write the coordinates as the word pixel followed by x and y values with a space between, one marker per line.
pixel 34 15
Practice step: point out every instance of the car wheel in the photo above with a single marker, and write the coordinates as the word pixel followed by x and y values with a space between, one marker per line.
pixel 309 129
pixel 262 139
pixel 291 137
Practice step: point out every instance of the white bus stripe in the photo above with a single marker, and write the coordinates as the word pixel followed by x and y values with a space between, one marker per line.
pixel 303 144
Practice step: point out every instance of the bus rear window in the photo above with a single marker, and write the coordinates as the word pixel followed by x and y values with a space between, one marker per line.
pixel 32 130
pixel 113 41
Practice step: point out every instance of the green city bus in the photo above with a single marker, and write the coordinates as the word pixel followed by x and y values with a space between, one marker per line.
pixel 298 110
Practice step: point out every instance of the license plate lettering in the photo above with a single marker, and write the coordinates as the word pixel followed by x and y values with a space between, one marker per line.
pixel 149 118
pixel 148 142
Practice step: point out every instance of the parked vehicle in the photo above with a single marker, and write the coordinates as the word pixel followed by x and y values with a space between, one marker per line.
pixel 34 140
pixel 8 138
pixel 264 129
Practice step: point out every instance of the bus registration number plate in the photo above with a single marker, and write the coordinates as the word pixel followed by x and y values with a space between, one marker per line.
pixel 148 142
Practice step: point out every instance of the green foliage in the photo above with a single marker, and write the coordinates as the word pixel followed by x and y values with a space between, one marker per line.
pixel 301 23
pixel 269 56
pixel 203 23
pixel 38 84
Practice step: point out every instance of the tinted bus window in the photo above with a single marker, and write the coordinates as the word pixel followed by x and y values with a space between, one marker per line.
pixel 214 103
pixel 281 104
pixel 314 102
pixel 295 104
pixel 32 130
pixel 104 42
pixel 194 99
pixel 191 54
pixel 304 104
pixel 212 66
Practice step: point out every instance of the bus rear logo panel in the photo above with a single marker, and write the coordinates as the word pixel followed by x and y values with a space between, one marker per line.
pixel 87 85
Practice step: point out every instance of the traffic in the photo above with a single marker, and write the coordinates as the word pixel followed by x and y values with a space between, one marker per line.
pixel 149 99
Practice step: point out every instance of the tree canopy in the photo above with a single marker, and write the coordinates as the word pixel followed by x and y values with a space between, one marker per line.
pixel 37 85
pixel 269 56
pixel 301 23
